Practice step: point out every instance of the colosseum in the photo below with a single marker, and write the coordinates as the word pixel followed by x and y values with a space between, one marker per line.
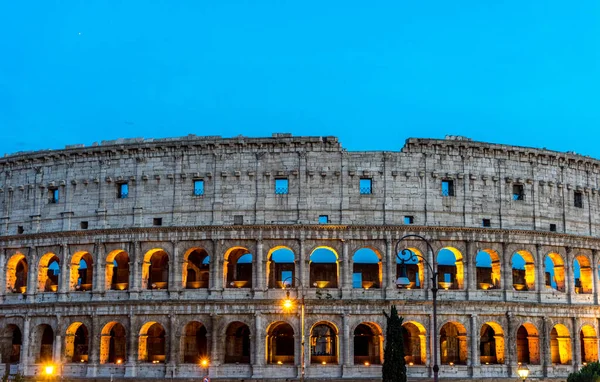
pixel 168 258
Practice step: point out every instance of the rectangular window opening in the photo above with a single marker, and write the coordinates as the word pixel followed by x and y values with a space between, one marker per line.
pixel 366 186
pixel 122 190
pixel 518 192
pixel 323 219
pixel 238 219
pixel 447 187
pixel 157 221
pixel 281 186
pixel 20 229
pixel 287 277
pixel 198 187
pixel 83 225
pixel 486 223
pixel 552 227
pixel 53 195
pixel 409 219
pixel 578 199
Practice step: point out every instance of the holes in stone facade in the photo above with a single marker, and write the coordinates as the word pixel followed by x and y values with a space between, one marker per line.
pixel 487 266
pixel 578 199
pixel 53 195
pixel 560 345
pixel 453 344
pixel 409 220
pixel 366 269
pixel 113 342
pixel 196 270
pixel 48 273
pixel 518 192
pixel 117 270
pixel 238 268
pixel 415 343
pixel 155 271
pixel 11 341
pixel 323 268
pixel 157 221
pixel 323 219
pixel 555 272
pixel 366 186
pixel 552 227
pixel 491 344
pixel 448 187
pixel 280 343
pixel 83 225
pixel 76 343
pixel 16 274
pixel 237 343
pixel 194 343
pixel 281 186
pixel 152 345
pixel 523 271
pixel 198 187
pixel 486 223
pixel 20 230
pixel 122 190
pixel 323 344
pixel 281 268
pixel 238 219
pixel 367 344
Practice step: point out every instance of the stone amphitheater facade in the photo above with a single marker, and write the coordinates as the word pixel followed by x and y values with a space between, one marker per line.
pixel 139 258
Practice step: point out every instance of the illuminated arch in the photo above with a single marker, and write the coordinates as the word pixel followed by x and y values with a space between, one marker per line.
pixel 155 269
pixel 117 270
pixel 194 343
pixel 560 345
pixel 582 269
pixel 113 343
pixel 555 278
pixel 491 344
pixel 281 267
pixel 152 343
pixel 523 271
pixel 16 273
pixel 415 271
pixel 453 344
pixel 415 343
pixel 368 342
pixel 324 343
pixel 324 268
pixel 81 271
pixel 238 268
pixel 588 341
pixel 366 268
pixel 237 343
pixel 196 269
pixel 77 343
pixel 487 265
pixel 451 272
pixel 528 344
pixel 48 272
pixel 280 343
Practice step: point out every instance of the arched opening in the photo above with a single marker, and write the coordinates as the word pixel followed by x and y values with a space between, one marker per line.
pixel 555 272
pixel 280 343
pixel 528 349
pixel 152 345
pixel 453 344
pixel 11 344
pixel 487 265
pixel 281 267
pixel 582 271
pixel 48 272
pixel 588 341
pixel 45 334
pixel 366 272
pixel 415 343
pixel 117 270
pixel 491 344
pixel 81 272
pixel 155 271
pixel 196 269
pixel 238 268
pixel 76 343
pixel 323 344
pixel 113 343
pixel 324 268
pixel 414 269
pixel 560 345
pixel 237 343
pixel 195 344
pixel 523 271
pixel 367 344
pixel 16 274
pixel 450 268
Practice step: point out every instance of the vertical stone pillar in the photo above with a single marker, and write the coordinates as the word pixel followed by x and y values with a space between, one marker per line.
pixel 506 271
pixel 215 357
pixel 304 265
pixel 575 344
pixel 261 281
pixel 135 270
pixel 65 275
pixel 99 285
pixel 173 347
pixel 390 267
pixel 57 349
pixel 475 361
pixel 569 275
pixel 175 271
pixel 595 274
pixel 32 261
pixel 430 259
pixel 541 272
pixel 432 349
pixel 346 342
pixel 218 267
pixel 470 269
pixel 545 343
pixel 25 351
pixel 510 344
pixel 346 281
pixel 94 349
pixel 259 347
pixel 130 366
pixel 3 275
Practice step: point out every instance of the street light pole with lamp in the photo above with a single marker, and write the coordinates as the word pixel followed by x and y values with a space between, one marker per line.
pixel 523 372
pixel 402 281
pixel 288 304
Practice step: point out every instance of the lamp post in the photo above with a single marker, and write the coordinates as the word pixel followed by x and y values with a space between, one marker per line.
pixel 288 304
pixel 523 371
pixel 408 255
pixel 204 363
pixel 49 371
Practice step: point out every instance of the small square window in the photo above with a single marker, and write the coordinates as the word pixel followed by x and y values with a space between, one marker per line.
pixel 53 196
pixel 20 229
pixel 409 219
pixel 238 219
pixel 578 199
pixel 486 223
pixel 323 219
pixel 122 190
pixel 366 186
pixel 157 221
pixel 83 225
pixel 518 192
pixel 198 187
pixel 447 187
pixel 552 227
pixel 281 186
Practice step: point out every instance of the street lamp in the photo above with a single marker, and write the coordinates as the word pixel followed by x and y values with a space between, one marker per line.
pixel 523 372
pixel 288 304
pixel 403 281
pixel 49 371
pixel 204 362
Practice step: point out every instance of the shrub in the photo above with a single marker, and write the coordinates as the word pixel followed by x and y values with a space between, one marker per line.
pixel 588 373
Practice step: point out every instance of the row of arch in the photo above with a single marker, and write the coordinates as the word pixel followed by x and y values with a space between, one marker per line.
pixel 324 272
pixel 324 348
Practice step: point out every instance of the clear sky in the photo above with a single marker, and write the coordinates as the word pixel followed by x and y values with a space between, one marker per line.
pixel 372 73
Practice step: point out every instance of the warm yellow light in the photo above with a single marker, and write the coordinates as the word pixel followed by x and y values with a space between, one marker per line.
pixel 119 361
pixel 367 364
pixel 410 364
pixel 82 361
pixel 288 304
pixel 323 363
pixel 49 369
pixel 451 363
pixel 585 364
pixel 204 362
pixel 279 363
pixel 523 372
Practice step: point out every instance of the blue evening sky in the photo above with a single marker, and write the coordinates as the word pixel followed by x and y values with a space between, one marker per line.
pixel 372 73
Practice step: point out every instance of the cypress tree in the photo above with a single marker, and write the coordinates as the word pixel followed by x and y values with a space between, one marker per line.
pixel 394 366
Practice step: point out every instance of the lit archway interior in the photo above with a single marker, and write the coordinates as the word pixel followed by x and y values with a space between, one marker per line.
pixel 528 345
pixel 560 345
pixel 196 269
pixel 117 270
pixel 487 263
pixel 113 343
pixel 554 272
pixel 81 272
pixel 588 340
pixel 491 344
pixel 280 343
pixel 323 344
pixel 16 274
pixel 77 343
pixel 324 271
pixel 366 269
pixel 523 271
pixel 48 273
pixel 582 271
pixel 367 344
pixel 155 270
pixel 152 344
pixel 453 344
pixel 237 343
pixel 414 269
pixel 194 343
pixel 281 267
pixel 450 268
pixel 238 268
pixel 415 343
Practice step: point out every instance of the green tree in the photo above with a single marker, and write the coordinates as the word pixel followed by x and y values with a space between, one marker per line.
pixel 394 366
pixel 588 373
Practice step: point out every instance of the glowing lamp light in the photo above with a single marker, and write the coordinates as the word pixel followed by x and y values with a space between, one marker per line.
pixel 367 364
pixel 204 362
pixel 323 363
pixel 288 304
pixel 410 364
pixel 82 361
pixel 523 372
pixel 49 369
pixel 279 363
pixel 451 363
pixel 585 364
pixel 119 361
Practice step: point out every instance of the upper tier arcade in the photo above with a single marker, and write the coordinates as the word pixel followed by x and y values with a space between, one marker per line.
pixel 193 181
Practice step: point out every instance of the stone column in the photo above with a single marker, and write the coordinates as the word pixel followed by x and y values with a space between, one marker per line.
pixel 432 348
pixel 541 272
pixel 506 275
pixel 135 271
pixel 545 343
pixel 218 267
pixel 470 269
pixel 569 275
pixel 595 274
pixel 94 349
pixel 130 366
pixel 175 272
pixel 259 346
pixel 24 364
pixel 99 285
pixel 346 281
pixel 32 261
pixel 3 276
pixel 510 344
pixel 215 357
pixel 346 342
pixel 173 347
pixel 390 267
pixel 475 361
pixel 65 274
pixel 57 350
pixel 261 281
pixel 575 344
pixel 304 266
